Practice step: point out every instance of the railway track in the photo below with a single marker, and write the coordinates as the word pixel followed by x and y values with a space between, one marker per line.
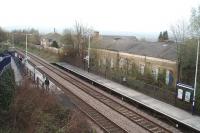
pixel 104 123
pixel 89 89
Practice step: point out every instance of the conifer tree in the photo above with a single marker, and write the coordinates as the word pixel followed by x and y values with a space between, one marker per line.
pixel 160 38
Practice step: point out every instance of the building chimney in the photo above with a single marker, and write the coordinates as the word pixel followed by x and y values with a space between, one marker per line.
pixel 54 30
pixel 96 34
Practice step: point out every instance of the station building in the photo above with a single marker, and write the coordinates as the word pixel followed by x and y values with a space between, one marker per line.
pixel 128 53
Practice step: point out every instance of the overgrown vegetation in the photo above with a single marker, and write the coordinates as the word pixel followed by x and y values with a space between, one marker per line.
pixel 7 89
pixel 43 53
pixel 3 35
pixel 34 110
pixel 54 44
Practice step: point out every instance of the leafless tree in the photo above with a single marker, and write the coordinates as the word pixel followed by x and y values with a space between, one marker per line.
pixel 67 37
pixel 80 39
pixel 179 31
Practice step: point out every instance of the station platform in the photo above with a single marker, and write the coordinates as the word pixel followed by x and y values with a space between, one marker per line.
pixel 172 112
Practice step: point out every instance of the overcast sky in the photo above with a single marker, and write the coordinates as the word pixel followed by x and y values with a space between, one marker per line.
pixel 102 15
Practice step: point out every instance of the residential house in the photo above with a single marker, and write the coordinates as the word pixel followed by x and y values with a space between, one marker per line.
pixel 48 39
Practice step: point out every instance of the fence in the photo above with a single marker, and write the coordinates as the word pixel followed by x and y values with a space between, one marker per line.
pixel 4 62
pixel 165 94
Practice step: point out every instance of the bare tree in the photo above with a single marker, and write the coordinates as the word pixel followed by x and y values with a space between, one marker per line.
pixel 19 36
pixel 179 31
pixel 80 39
pixel 195 21
pixel 67 37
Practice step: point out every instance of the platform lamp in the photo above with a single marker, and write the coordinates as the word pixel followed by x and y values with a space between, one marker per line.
pixel 89 53
pixel 89 33
pixel 26 56
pixel 195 79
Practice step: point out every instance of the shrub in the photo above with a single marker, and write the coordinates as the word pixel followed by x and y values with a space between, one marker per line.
pixel 7 87
pixel 37 111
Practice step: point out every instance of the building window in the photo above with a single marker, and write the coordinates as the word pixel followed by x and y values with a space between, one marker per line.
pixel 141 69
pixel 111 63
pixel 169 78
pixel 155 73
pixel 121 63
pixel 104 61
pixel 99 62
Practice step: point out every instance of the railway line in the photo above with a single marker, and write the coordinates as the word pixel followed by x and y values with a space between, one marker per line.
pixel 106 124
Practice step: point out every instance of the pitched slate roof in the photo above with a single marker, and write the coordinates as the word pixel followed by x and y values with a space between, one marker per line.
pixel 53 36
pixel 164 50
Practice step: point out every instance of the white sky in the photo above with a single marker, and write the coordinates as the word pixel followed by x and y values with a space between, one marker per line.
pixel 102 15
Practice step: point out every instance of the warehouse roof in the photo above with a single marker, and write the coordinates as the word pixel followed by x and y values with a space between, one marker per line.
pixel 128 44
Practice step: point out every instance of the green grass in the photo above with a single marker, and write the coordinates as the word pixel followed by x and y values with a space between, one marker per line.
pixel 45 54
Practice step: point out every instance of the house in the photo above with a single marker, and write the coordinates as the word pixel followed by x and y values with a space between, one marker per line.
pixel 48 39
pixel 127 53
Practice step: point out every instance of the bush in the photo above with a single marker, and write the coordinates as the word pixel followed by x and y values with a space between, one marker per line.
pixel 7 88
pixel 37 111
pixel 54 44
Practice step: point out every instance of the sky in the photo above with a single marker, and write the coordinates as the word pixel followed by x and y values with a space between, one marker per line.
pixel 106 16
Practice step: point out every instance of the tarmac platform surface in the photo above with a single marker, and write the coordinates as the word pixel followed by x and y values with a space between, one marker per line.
pixel 173 112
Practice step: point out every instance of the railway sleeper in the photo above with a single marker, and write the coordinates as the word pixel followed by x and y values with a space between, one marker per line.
pixel 114 130
pixel 106 100
pixel 89 109
pixel 102 98
pixel 139 121
pixel 160 131
pixel 135 117
pixel 93 113
pixel 118 106
pixel 97 116
pixel 149 126
pixel 127 113
pixel 130 115
pixel 155 129
pixel 96 95
pixel 122 109
pixel 109 126
pixel 102 121
pixel 107 103
pixel 143 123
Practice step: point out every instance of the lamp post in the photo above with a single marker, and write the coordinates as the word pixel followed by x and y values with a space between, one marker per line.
pixel 89 53
pixel 88 56
pixel 13 40
pixel 195 80
pixel 26 57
